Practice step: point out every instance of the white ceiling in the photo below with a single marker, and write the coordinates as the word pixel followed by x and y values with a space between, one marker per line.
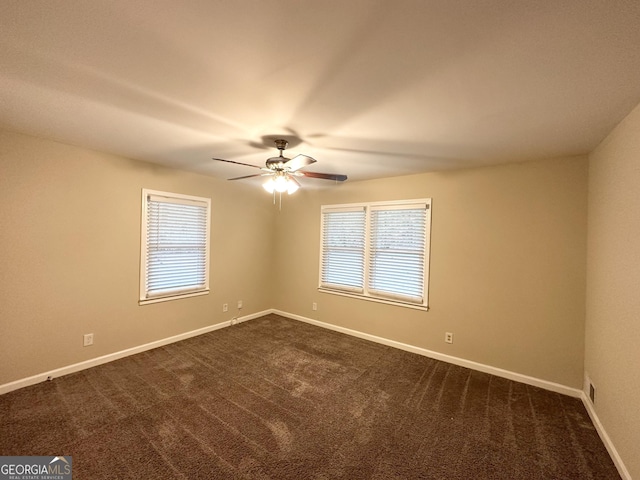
pixel 371 88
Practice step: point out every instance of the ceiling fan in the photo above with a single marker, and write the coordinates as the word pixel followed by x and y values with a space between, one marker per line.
pixel 282 171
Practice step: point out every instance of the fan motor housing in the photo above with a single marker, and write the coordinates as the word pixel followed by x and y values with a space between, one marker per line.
pixel 277 163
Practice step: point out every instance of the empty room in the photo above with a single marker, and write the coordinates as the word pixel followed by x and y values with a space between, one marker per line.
pixel 290 239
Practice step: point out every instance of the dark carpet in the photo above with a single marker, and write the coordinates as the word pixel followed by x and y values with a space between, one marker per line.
pixel 274 398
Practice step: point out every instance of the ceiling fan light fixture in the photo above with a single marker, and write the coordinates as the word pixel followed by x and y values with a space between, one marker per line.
pixel 281 184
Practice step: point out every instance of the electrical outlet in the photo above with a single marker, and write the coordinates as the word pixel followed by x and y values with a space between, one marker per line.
pixel 592 393
pixel 239 304
pixel 225 307
pixel 88 339
pixel 314 306
pixel 234 320
pixel 448 337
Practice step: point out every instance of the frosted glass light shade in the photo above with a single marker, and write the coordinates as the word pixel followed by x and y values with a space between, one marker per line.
pixel 292 187
pixel 281 183
pixel 269 185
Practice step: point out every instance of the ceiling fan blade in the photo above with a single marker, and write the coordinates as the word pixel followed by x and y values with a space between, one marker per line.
pixel 250 176
pixel 298 162
pixel 237 163
pixel 326 176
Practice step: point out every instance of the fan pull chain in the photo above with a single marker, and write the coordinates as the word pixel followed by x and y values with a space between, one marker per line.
pixel 274 200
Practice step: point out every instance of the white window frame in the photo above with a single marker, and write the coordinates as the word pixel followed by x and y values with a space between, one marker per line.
pixel 365 293
pixel 175 198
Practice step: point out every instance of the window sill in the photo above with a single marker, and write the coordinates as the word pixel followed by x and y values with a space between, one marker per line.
pixel 172 297
pixel 424 308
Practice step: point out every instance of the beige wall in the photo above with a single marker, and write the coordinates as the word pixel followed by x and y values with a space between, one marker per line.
pixel 612 351
pixel 508 255
pixel 70 243
pixel 507 268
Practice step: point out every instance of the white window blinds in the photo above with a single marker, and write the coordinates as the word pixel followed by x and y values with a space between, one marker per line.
pixel 175 245
pixel 397 252
pixel 377 250
pixel 343 246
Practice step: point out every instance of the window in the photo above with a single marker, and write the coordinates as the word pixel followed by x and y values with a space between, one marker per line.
pixel 174 246
pixel 343 242
pixel 377 251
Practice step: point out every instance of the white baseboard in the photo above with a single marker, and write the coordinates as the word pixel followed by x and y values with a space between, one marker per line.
pixel 76 367
pixel 518 377
pixel 555 387
pixel 613 453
